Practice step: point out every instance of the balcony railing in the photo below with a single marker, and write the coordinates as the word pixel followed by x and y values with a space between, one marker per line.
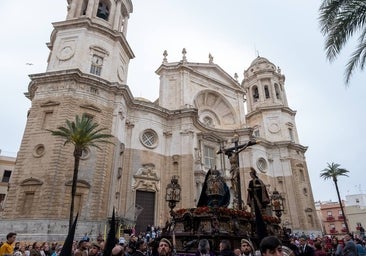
pixel 333 231
pixel 340 217
pixel 344 230
pixel 330 218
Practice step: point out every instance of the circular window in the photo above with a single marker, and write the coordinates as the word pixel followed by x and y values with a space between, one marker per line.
pixel 262 164
pixel 39 150
pixel 86 154
pixel 149 138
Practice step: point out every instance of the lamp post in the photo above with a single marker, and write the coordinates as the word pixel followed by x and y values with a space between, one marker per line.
pixel 277 203
pixel 172 195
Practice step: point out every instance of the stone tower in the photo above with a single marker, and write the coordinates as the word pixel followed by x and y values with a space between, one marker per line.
pixel 280 157
pixel 86 73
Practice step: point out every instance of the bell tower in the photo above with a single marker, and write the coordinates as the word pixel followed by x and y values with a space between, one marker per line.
pixel 280 157
pixel 86 74
pixel 268 111
pixel 93 39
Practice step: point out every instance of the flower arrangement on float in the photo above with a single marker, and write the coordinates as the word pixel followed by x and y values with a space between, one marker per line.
pixel 206 210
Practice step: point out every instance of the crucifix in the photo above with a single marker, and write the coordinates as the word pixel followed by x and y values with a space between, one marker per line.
pixel 233 156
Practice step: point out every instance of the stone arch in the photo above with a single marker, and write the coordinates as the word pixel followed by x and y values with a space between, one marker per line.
pixel 212 104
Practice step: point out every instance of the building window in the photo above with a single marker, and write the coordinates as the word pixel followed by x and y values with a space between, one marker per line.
pixel 278 94
pixel 329 213
pixel 255 93
pixel 262 164
pixel 209 156
pixel 302 176
pixel 96 65
pixel 266 91
pixel 28 203
pixel 6 176
pixel 103 10
pixel 305 192
pixel 48 116
pixel 340 212
pixel 149 138
pixel 256 133
pixel 357 201
pixel 291 134
pixel 208 121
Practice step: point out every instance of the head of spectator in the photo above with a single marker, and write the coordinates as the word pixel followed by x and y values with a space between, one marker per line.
pixel 165 247
pixel 271 246
pixel 246 247
pixel 118 250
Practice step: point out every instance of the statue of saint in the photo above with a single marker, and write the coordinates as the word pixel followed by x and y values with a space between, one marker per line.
pixel 214 192
pixel 257 192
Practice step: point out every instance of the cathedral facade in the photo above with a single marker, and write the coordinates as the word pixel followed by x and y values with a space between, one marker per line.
pixel 200 110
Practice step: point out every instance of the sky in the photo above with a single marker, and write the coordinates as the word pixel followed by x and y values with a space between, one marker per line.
pixel 330 116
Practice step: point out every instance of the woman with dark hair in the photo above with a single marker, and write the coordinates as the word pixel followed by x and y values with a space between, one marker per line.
pixel 204 248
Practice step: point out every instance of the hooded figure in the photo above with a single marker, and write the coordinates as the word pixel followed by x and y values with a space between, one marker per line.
pixel 246 248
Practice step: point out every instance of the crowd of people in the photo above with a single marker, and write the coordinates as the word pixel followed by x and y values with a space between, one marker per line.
pixel 150 243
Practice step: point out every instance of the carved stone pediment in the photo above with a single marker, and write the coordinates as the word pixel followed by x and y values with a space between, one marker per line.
pixel 79 184
pixel 146 179
pixel 91 107
pixel 31 182
pixel 147 171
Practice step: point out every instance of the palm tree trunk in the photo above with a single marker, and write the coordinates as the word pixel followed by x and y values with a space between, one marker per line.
pixel 77 155
pixel 340 204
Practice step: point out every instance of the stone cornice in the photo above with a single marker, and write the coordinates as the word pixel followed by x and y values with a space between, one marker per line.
pixel 87 23
pixel 190 66
pixel 259 110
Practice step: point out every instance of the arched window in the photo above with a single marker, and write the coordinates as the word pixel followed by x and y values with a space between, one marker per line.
pixel 84 7
pixel 255 93
pixel 278 94
pixel 266 91
pixel 302 176
pixel 103 9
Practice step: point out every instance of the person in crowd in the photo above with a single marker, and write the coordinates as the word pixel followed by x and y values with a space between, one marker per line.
pixel 141 248
pixel 94 249
pixel 118 250
pixel 17 251
pixel 204 248
pixel 7 248
pixel 165 247
pixel 27 250
pixel 225 248
pixel 319 249
pixel 360 249
pixel 57 250
pixel 82 249
pixel 304 248
pixel 349 248
pixel 246 248
pixel 271 246
pixel 36 249
pixel 336 247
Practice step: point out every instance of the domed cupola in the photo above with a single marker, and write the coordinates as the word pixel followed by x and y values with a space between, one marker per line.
pixel 264 85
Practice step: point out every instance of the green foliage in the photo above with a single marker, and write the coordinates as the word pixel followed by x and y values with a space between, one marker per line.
pixel 339 21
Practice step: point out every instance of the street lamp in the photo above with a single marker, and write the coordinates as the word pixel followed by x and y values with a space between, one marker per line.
pixel 173 194
pixel 277 203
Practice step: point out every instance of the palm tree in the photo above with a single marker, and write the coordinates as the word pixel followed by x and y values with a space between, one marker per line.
pixel 333 171
pixel 339 21
pixel 83 133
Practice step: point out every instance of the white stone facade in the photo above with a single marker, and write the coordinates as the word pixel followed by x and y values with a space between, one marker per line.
pixel 200 109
